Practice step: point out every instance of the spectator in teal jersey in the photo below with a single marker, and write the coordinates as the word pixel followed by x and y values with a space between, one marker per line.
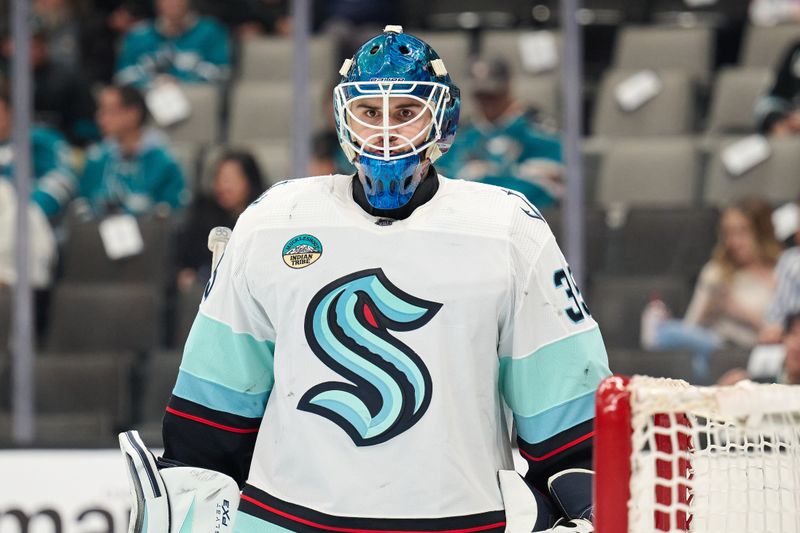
pixel 55 182
pixel 178 44
pixel 131 170
pixel 504 144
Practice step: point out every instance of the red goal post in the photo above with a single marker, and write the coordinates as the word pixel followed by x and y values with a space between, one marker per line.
pixel 671 457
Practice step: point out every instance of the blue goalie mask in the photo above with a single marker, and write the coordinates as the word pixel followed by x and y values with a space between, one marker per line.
pixel 396 112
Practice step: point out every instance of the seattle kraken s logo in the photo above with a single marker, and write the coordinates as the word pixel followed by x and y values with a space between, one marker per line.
pixel 347 326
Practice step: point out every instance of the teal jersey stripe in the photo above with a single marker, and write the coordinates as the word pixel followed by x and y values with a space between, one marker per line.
pixel 535 429
pixel 188 520
pixel 237 361
pixel 554 374
pixel 218 397
pixel 246 523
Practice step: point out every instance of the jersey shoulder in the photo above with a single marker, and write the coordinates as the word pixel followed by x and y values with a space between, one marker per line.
pixel 293 201
pixel 504 211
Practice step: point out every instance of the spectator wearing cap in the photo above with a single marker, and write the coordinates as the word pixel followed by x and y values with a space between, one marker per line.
pixel 178 44
pixel 505 144
pixel 778 111
pixel 131 170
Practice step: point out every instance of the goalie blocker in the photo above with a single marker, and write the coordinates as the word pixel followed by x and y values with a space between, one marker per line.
pixel 169 498
pixel 173 498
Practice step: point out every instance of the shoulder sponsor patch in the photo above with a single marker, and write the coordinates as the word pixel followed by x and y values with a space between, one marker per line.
pixel 302 251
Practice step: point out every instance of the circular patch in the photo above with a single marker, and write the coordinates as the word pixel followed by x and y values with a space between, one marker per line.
pixel 302 251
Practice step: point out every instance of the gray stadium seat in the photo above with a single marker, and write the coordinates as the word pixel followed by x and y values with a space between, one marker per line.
pixel 65 430
pixel 775 179
pixel 764 46
pixel 85 261
pixel 661 171
pixel 595 229
pixel 726 359
pixel 89 382
pixel 104 316
pixel 274 158
pixel 263 111
pixel 204 123
pixel 185 313
pixel 671 112
pixel 657 48
pixel 667 364
pixel 456 14
pixel 676 241
pixel 736 91
pixel 188 156
pixel 158 380
pixel 5 316
pixel 505 44
pixel 616 302
pixel 271 59
pixel 453 47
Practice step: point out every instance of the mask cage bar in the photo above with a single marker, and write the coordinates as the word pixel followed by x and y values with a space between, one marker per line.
pixel 434 103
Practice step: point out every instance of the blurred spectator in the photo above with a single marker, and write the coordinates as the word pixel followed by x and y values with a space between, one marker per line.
pixel 178 44
pixel 733 292
pixel 62 96
pixel 791 358
pixel 53 188
pixel 131 170
pixel 787 272
pixel 504 145
pixel 250 18
pixel 55 182
pixel 772 12
pixel 62 31
pixel 778 112
pixel 107 23
pixel 237 183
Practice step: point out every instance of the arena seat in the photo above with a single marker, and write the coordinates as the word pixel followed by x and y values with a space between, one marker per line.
pixel 454 47
pixel 203 125
pixel 765 46
pixel 774 179
pixel 5 316
pixel 84 258
pixel 271 59
pixel 264 111
pixel 187 155
pixel 646 47
pixel 506 44
pixel 158 379
pixel 104 316
pixel 662 171
pixel 733 100
pixel 65 430
pixel 274 158
pixel 671 112
pixel 667 240
pixel 616 303
pixel 185 313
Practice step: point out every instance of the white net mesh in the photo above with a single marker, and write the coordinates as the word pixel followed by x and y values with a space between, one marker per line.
pixel 714 459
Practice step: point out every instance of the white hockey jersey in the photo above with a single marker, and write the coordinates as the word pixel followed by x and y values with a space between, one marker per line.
pixel 379 361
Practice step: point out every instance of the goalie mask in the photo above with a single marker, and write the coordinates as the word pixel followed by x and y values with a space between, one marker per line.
pixel 396 112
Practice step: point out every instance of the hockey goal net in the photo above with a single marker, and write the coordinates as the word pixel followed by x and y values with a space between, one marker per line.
pixel 673 457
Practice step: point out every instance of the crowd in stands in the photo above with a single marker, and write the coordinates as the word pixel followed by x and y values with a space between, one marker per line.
pixel 108 76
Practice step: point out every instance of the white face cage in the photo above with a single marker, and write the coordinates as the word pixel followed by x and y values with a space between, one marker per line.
pixel 384 141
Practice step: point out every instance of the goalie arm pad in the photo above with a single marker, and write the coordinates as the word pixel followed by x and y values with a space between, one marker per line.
pixel 198 436
pixel 176 499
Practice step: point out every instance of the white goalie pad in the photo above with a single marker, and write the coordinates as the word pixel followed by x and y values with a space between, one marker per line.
pixel 179 499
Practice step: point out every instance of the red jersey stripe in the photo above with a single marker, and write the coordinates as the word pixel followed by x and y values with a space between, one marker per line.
pixel 351 530
pixel 210 423
pixel 557 450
